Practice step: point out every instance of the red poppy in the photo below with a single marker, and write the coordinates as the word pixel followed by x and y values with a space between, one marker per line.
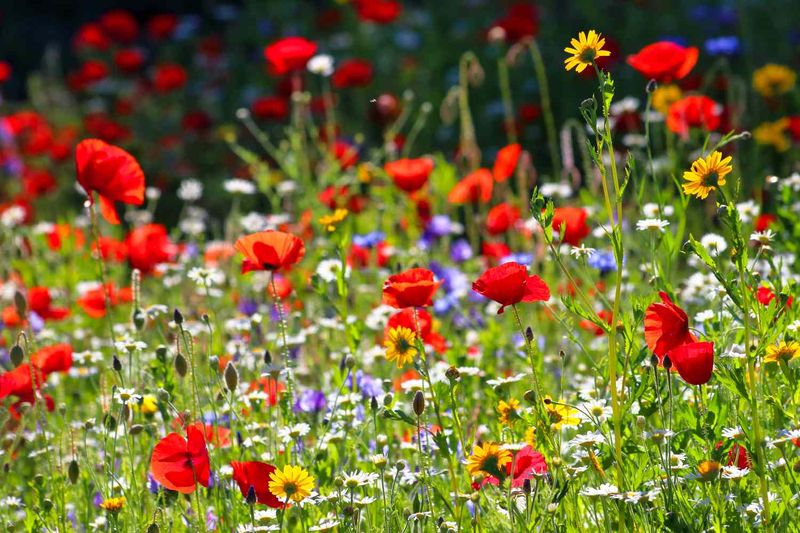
pixel 129 60
pixel 593 328
pixel 520 21
pixel 179 464
pixel 19 381
pixel 255 475
pixel 162 26
pixel 506 162
pixel 271 387
pixel 411 288
pixel 93 301
pixel 405 318
pixel 352 73
pixel 111 249
pixel 510 284
pixel 693 112
pixel 289 55
pixel 501 218
pixel 737 455
pixel 764 221
pixel 574 221
pixel 91 36
pixel 378 11
pixel 694 361
pixel 345 153
pixel 92 71
pixel 270 250
pixel 41 303
pixel 664 61
pixel 475 187
pixel 765 295
pixel 528 463
pixel 666 327
pixel 495 250
pixel 148 246
pixel 36 182
pixel 270 108
pixel 112 173
pixel 5 71
pixel 120 25
pixel 410 175
pixel 169 77
pixel 64 232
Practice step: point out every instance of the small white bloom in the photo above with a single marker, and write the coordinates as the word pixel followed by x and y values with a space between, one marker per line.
pixel 321 64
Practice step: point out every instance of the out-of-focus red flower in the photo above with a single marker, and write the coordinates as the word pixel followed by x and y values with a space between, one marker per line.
pixel 5 71
pixel 590 326
pixel 495 250
pixel 282 289
pixel 169 77
pixel 289 55
pixel 574 221
pixel 255 475
pixel 664 61
pixel 666 327
pixel 180 463
pixel 410 175
pixel 764 221
pixel 270 108
pixel 737 456
pixel 378 11
pixel 693 111
pixel 20 382
pixel 270 250
pixel 501 218
pixel 510 284
pixel 36 182
pixel 352 73
pixel 520 21
pixel 423 324
pixel 92 71
pixel 271 387
pixel 91 36
pixel 148 246
pixel 104 128
pixel 162 26
pixel 528 463
pixel 120 25
pixel 196 121
pixel 412 288
pixel 506 162
pixel 129 60
pixel 345 153
pixel 694 361
pixel 41 303
pixel 475 187
pixel 65 232
pixel 112 173
pixel 93 301
pixel 111 249
pixel 765 295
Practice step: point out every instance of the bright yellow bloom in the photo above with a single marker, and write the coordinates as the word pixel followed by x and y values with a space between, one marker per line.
pixel 292 483
pixel 149 404
pixel 664 96
pixel 706 174
pixel 585 49
pixel 113 505
pixel 530 437
pixel 785 351
pixel 331 221
pixel 561 415
pixel 773 134
pixel 772 80
pixel 487 458
pixel 708 470
pixel 508 411
pixel 399 345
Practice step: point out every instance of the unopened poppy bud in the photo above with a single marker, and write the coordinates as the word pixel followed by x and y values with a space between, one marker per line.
pixel 526 486
pixel 38 479
pixel 117 364
pixel 17 354
pixel 138 319
pixel 640 420
pixel 136 429
pixel 205 319
pixel 667 362
pixel 73 471
pixel 231 376
pixel 452 374
pixel 654 360
pixel 652 85
pixel 47 505
pixel 388 399
pixel 153 528
pixel 529 334
pixel 181 365
pixel 373 404
pixel 110 422
pixel 419 403
pixel 350 361
pixel 529 396
pixel 161 353
pixel 20 303
pixel 251 495
pixel 62 408
pixel 162 395
pixel 267 357
pixel 213 361
pixel 177 317
pixel 89 424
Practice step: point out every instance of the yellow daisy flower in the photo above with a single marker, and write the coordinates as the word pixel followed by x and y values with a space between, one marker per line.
pixel 706 174
pixel 585 49
pixel 772 80
pixel 530 437
pixel 561 415
pixel 508 411
pixel 773 134
pixel 708 470
pixel 331 221
pixel 487 458
pixel 785 351
pixel 113 505
pixel 292 483
pixel 664 96
pixel 399 345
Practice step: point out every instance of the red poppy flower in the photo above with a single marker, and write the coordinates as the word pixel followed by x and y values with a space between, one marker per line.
pixel 346 154
pixel 510 284
pixel 36 182
pixel 169 77
pixel 120 25
pixel 93 301
pixel 270 250
pixel 737 455
pixel 694 361
pixel 91 36
pixel 520 21
pixel 270 108
pixel 405 318
pixel 411 288
pixel 148 246
pixel 19 381
pixel 112 173
pixel 501 218
pixel 495 250
pixel 41 303
pixel 410 175
pixel 378 11
pixel 528 463
pixel 352 73
pixel 180 463
pixel 162 26
pixel 5 71
pixel 92 71
pixel 506 162
pixel 289 55
pixel 111 249
pixel 255 475
pixel 574 221
pixel 764 221
pixel 475 187
pixel 129 60
pixel 664 61
pixel 271 387
pixel 693 112
pixel 666 327
pixel 765 295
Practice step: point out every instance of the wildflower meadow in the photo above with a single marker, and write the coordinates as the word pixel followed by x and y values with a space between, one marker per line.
pixel 402 266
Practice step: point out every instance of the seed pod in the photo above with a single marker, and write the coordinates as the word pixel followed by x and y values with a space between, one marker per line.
pixel 529 334
pixel 138 319
pixel 529 396
pixel 213 361
pixel 136 429
pixel 20 303
pixel 117 364
pixel 388 399
pixel 526 486
pixel 161 353
pixel 177 317
pixel 231 376
pixel 251 495
pixel 110 422
pixel 17 354
pixel 350 361
pixel 181 365
pixel 47 505
pixel 73 471
pixel 419 403
pixel 452 374
pixel 153 528
pixel 162 395
pixel 267 357
pixel 666 362
pixel 373 404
